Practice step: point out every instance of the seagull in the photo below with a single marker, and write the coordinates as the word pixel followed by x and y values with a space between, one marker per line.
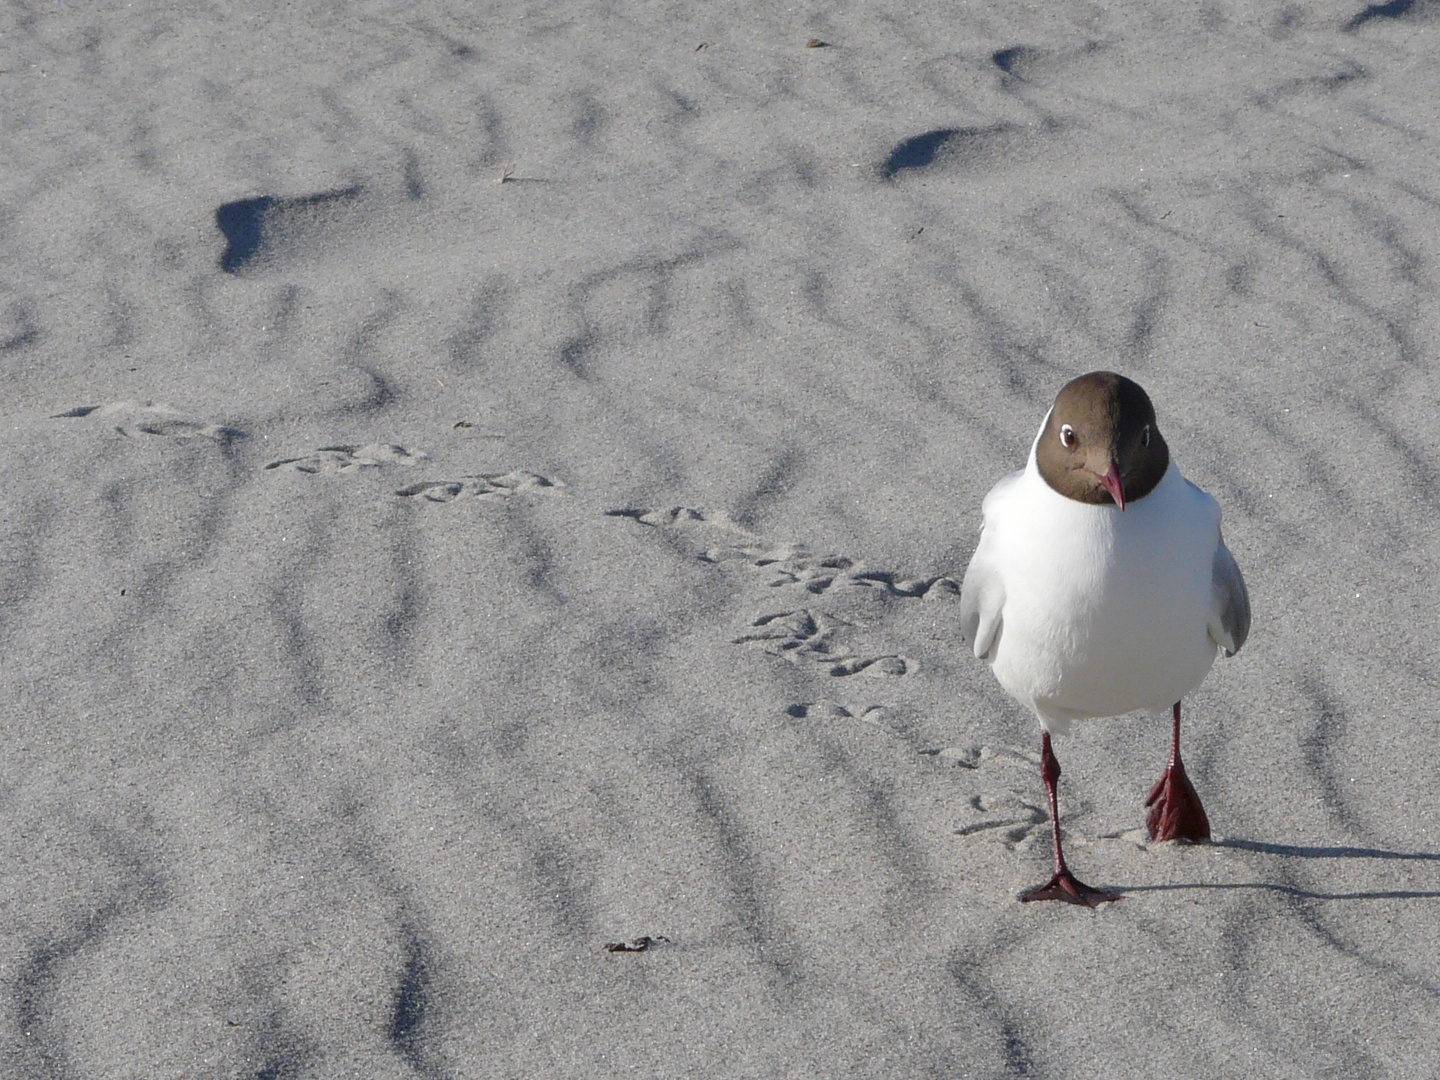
pixel 1100 586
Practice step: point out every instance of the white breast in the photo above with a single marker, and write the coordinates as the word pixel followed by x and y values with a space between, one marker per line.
pixel 1105 612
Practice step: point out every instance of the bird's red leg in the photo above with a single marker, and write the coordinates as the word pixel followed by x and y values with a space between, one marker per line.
pixel 1064 885
pixel 1175 810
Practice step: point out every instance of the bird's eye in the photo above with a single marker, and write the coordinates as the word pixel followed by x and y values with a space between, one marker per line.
pixel 1145 435
pixel 1068 436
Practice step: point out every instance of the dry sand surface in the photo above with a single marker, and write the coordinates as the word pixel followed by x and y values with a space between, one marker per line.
pixel 413 582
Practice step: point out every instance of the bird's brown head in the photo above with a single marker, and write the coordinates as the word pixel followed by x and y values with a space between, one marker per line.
pixel 1101 444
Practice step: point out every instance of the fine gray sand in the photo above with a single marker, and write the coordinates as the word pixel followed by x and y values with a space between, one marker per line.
pixel 411 582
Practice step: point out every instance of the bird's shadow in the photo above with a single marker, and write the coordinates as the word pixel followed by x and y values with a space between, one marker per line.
pixel 1296 851
pixel 1302 852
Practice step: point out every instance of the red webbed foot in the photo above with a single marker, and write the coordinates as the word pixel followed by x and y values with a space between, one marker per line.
pixel 1067 887
pixel 1175 810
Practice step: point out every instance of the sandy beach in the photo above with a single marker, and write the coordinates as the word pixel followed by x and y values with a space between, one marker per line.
pixel 482 483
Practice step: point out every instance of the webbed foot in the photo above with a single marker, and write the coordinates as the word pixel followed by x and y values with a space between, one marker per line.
pixel 1067 887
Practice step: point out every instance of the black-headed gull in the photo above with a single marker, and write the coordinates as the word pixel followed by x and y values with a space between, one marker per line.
pixel 1101 585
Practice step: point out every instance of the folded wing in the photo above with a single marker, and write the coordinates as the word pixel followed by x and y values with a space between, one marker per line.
pixel 982 599
pixel 1229 603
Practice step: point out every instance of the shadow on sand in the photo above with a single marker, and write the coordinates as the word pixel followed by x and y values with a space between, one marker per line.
pixel 1296 851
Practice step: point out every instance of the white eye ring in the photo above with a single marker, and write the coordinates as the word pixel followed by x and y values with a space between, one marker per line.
pixel 1067 435
pixel 1145 435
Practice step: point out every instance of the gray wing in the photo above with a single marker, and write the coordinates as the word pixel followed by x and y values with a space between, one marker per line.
pixel 982 599
pixel 1229 603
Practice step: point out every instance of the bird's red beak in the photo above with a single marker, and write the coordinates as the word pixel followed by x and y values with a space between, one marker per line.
pixel 1111 480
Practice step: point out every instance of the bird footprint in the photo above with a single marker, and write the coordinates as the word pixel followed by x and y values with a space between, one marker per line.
pixel 807 635
pixel 802 634
pixel 792 631
pixel 830 710
pixel 1012 819
pixel 1010 815
pixel 135 419
pixel 480 486
pixel 345 459
pixel 788 563
pixel 681 517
